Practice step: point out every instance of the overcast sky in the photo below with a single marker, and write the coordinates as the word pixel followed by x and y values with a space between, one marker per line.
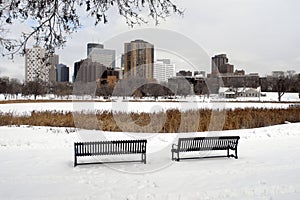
pixel 257 35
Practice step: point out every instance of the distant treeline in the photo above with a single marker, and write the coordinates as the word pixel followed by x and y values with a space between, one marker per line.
pixel 11 88
pixel 177 86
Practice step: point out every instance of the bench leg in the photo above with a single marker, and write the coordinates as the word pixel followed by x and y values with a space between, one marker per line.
pixel 75 161
pixel 178 159
pixel 143 158
pixel 173 158
pixel 236 156
pixel 228 153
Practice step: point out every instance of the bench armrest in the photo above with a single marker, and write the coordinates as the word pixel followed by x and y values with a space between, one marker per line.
pixel 174 145
pixel 234 143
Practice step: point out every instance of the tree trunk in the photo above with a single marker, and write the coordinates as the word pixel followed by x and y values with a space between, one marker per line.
pixel 280 94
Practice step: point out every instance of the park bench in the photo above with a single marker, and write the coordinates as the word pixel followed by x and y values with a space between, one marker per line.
pixel 205 144
pixel 102 148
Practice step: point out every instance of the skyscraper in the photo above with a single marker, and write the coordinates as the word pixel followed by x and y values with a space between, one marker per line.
pixel 138 59
pixel 88 71
pixel 163 70
pixel 92 46
pixel 220 65
pixel 34 64
pixel 97 53
pixel 52 60
pixel 38 65
pixel 62 73
pixel 51 63
pixel 218 61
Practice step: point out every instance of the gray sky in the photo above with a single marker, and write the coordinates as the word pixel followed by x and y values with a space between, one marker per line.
pixel 257 35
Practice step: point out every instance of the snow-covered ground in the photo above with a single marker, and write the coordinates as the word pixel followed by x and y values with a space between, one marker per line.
pixel 270 96
pixel 26 108
pixel 37 163
pixel 182 104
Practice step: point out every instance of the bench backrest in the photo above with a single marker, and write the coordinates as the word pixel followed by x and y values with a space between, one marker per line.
pixel 207 143
pixel 110 147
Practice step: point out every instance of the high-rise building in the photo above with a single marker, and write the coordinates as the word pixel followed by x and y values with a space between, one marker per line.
pixel 88 71
pixel 35 66
pixel 97 53
pixel 52 60
pixel 51 63
pixel 226 69
pixel 163 70
pixel 138 59
pixel 220 66
pixel 218 61
pixel 62 73
pixel 39 66
pixel 164 60
pixel 92 46
pixel 52 73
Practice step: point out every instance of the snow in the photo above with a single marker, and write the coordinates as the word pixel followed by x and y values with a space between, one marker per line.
pixel 37 163
pixel 148 107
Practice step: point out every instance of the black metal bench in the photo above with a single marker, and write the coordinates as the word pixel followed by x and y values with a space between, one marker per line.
pixel 110 148
pixel 205 144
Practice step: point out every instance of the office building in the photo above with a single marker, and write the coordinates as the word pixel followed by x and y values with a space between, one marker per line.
pixel 52 60
pixel 217 61
pixel 92 46
pixel 38 65
pixel 163 70
pixel 51 63
pixel 97 53
pixel 164 60
pixel 220 66
pixel 138 59
pixel 52 73
pixel 226 69
pixel 35 66
pixel 87 71
pixel 62 73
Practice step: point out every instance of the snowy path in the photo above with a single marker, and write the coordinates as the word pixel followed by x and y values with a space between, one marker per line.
pixel 37 163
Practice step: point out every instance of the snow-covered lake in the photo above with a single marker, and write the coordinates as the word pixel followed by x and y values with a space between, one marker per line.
pixel 37 163
pixel 26 108
pixel 189 103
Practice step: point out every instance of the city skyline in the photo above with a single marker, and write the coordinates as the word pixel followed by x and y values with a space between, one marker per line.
pixel 225 62
pixel 258 36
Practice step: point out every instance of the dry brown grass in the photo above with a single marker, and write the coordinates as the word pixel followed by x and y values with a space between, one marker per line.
pixel 169 122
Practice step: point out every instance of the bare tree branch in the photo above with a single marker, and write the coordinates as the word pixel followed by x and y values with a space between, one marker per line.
pixel 52 21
